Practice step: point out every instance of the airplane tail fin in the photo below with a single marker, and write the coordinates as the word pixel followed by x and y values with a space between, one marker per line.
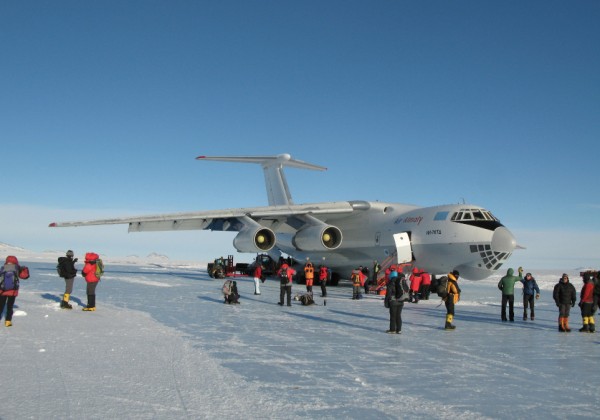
pixel 278 191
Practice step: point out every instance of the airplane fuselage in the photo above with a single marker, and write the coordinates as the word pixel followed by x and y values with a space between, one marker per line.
pixel 476 246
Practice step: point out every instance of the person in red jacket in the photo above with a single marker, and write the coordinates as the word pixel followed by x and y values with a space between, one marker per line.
pixel 286 275
pixel 89 273
pixel 415 285
pixel 586 303
pixel 323 273
pixel 425 284
pixel 257 275
pixel 9 278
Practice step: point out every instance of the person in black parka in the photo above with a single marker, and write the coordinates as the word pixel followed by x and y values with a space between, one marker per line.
pixel 565 297
pixel 397 292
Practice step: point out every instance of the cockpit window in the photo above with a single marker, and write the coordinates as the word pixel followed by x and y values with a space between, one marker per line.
pixel 473 214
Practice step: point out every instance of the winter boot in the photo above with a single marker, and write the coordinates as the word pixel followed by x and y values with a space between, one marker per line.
pixel 449 325
pixel 586 327
pixel 91 306
pixel 524 315
pixel 566 324
pixel 7 323
pixel 591 324
pixel 561 324
pixel 64 304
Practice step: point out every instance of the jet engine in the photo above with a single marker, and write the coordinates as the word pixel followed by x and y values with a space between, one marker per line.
pixel 259 239
pixel 318 238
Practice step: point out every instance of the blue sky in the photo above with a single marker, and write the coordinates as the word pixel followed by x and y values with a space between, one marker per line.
pixel 105 105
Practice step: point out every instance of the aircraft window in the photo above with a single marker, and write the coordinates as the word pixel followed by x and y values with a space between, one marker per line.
pixel 473 248
pixel 441 215
pixel 482 254
pixel 481 248
pixel 501 256
pixel 467 216
pixel 498 266
pixel 488 247
pixel 478 215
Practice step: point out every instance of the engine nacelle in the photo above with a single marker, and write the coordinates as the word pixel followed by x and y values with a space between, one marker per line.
pixel 318 238
pixel 254 240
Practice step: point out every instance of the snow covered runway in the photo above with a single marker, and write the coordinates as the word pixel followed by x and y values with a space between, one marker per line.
pixel 163 345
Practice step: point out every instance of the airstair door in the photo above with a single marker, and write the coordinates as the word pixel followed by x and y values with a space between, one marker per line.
pixel 403 248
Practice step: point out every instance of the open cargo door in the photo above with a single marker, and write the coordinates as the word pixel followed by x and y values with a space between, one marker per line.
pixel 403 248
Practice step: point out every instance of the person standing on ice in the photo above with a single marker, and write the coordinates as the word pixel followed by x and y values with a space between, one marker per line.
pixel 286 275
pixel 323 271
pixel 565 296
pixel 507 285
pixel 67 270
pixel 89 273
pixel 425 283
pixel 396 293
pixel 586 303
pixel 415 285
pixel 9 279
pixel 530 291
pixel 257 275
pixel 309 275
pixel 451 299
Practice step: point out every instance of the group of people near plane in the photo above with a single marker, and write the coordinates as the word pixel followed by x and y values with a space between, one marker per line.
pixel 399 289
pixel 564 295
pixel 12 272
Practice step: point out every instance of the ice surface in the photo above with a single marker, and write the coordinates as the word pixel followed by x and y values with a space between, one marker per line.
pixel 163 345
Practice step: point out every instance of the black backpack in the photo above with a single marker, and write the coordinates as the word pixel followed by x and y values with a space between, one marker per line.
pixel 442 287
pixel 283 277
pixel 60 267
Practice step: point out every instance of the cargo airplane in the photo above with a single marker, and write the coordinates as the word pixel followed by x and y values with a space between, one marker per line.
pixel 345 234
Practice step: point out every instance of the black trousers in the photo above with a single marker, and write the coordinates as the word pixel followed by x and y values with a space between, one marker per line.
pixel 510 299
pixel 9 301
pixel 450 305
pixel 528 301
pixel 283 291
pixel 324 287
pixel 396 315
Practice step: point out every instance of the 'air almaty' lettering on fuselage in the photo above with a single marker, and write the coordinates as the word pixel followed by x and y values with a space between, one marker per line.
pixel 416 220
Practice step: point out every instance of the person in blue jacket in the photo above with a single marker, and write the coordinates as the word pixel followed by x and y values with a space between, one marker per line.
pixel 531 291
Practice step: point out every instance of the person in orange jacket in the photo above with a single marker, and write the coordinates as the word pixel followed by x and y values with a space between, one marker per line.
pixel 309 275
pixel 89 273
pixel 452 297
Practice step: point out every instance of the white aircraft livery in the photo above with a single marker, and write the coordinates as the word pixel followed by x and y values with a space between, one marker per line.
pixel 346 234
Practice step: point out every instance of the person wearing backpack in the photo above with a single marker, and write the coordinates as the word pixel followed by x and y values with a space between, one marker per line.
pixel 90 273
pixel 285 274
pixel 66 270
pixel 397 292
pixel 9 290
pixel 452 297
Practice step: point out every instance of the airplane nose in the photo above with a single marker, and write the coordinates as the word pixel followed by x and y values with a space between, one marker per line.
pixel 503 240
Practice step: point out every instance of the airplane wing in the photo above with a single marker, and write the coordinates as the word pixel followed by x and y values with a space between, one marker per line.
pixel 257 225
